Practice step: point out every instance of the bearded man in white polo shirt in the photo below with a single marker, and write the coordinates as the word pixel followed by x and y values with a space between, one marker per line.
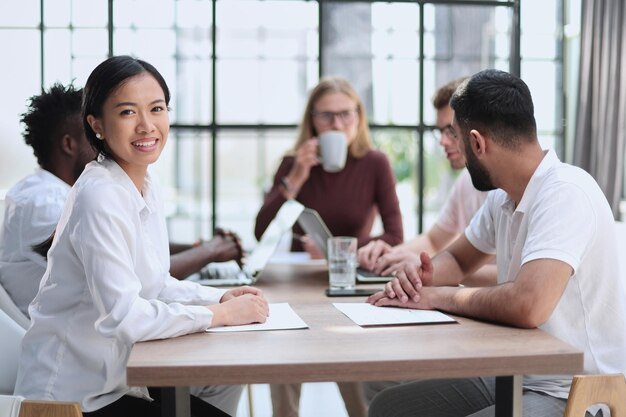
pixel 554 234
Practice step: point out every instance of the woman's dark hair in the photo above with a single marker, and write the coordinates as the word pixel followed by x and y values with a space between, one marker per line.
pixel 49 116
pixel 104 80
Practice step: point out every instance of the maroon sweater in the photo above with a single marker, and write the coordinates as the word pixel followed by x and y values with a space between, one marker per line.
pixel 347 200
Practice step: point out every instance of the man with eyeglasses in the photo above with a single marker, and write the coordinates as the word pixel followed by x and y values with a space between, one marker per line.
pixel 464 200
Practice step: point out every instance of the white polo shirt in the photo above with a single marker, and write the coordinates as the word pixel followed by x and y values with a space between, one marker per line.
pixel 32 209
pixel 461 205
pixel 563 215
pixel 106 287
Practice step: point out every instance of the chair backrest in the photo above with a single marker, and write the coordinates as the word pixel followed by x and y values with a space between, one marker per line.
pixel 588 390
pixel 36 408
pixel 11 335
pixel 8 306
pixel 10 405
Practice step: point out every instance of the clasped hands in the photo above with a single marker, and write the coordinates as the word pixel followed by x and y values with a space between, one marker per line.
pixel 409 288
pixel 224 246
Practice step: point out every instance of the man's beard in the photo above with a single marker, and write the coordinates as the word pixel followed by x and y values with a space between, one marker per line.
pixel 481 179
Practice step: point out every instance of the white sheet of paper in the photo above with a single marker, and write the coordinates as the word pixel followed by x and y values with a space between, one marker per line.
pixel 365 314
pixel 282 317
pixel 294 258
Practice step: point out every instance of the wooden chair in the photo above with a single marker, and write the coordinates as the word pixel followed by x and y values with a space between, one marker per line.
pixel 33 408
pixel 588 390
pixel 17 406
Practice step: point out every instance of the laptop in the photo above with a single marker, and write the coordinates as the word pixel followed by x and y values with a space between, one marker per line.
pixel 229 273
pixel 314 226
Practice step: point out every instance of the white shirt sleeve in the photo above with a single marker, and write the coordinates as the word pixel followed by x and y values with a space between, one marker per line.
pixel 110 243
pixel 565 236
pixel 481 230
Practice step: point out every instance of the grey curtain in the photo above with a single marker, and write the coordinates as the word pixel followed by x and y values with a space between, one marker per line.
pixel 601 113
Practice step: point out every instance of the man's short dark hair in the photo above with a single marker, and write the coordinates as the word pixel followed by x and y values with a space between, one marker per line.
pixel 50 115
pixel 497 103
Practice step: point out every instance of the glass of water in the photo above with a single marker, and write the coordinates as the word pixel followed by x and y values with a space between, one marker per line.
pixel 342 262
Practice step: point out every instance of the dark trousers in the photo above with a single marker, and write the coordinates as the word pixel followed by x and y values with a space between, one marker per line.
pixel 133 406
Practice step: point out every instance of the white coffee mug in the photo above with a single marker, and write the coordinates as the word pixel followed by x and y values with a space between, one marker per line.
pixel 333 150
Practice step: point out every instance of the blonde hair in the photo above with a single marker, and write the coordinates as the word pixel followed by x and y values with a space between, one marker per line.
pixel 327 85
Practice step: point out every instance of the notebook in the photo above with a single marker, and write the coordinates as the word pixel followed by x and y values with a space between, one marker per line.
pixel 314 226
pixel 229 273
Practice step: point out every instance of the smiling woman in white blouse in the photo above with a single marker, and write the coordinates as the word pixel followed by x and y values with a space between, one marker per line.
pixel 107 284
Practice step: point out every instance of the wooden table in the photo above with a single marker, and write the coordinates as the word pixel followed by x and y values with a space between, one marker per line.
pixel 336 349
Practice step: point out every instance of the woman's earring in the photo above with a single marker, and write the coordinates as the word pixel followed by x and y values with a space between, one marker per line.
pixel 99 136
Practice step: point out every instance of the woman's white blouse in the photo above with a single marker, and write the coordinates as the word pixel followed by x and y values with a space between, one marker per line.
pixel 107 286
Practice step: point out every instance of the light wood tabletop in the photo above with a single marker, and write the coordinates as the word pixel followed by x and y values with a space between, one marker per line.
pixel 333 348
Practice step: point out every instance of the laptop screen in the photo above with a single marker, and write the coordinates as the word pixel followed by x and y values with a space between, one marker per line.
pixel 315 228
pixel 282 223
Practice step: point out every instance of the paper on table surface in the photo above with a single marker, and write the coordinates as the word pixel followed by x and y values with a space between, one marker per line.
pixel 365 314
pixel 282 317
pixel 294 258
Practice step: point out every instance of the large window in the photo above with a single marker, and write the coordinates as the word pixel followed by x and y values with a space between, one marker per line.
pixel 240 72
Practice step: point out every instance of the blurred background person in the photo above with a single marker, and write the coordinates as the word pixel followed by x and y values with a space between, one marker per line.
pixel 348 200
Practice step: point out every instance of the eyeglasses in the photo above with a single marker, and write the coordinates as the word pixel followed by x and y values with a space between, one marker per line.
pixel 328 117
pixel 447 130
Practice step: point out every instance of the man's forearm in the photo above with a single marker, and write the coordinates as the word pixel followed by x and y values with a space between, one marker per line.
pixel 496 304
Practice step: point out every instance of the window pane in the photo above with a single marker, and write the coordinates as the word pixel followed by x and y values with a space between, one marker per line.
pixel 66 61
pixel 395 91
pixel 143 13
pixel 184 172
pixel 192 92
pixel 90 13
pixel 395 66
pixel 261 91
pixel 468 39
pixel 23 14
pixel 247 163
pixel 264 60
pixel 57 13
pixel 541 77
pixel 144 43
pixel 540 29
pixel 400 146
pixel 21 82
pixel 57 56
pixel 89 42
